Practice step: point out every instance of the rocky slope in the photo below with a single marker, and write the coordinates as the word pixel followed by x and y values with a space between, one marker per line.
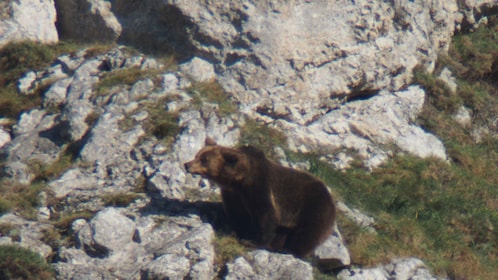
pixel 333 78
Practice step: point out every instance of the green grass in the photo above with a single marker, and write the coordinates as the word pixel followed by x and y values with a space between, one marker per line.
pixel 228 248
pixel 473 54
pixel 443 214
pixel 20 263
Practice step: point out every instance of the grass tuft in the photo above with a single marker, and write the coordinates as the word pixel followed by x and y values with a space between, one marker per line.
pixel 21 263
pixel 120 199
pixel 20 198
pixel 161 123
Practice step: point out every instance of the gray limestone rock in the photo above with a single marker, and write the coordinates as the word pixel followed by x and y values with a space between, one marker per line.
pixel 262 264
pixel 112 230
pixel 107 145
pixel 76 113
pixel 463 116
pixel 198 69
pixel 450 81
pixel 183 247
pixel 56 93
pixel 36 141
pixel 332 253
pixel 27 234
pixel 33 20
pixel 73 180
pixel 363 125
pixel 399 269
pixel 167 266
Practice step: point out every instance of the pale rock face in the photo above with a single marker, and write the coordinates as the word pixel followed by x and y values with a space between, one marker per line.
pixel 28 20
pixel 361 125
pixel 289 52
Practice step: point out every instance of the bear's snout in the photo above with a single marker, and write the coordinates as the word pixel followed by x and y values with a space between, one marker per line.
pixel 194 167
pixel 187 166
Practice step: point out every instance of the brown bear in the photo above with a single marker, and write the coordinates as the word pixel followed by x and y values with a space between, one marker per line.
pixel 280 208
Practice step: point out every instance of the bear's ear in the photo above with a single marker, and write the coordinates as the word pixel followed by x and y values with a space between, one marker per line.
pixel 210 141
pixel 230 157
pixel 236 164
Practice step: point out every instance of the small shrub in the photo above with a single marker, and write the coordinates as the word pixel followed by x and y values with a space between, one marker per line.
pixel 20 263
pixel 227 248
pixel 161 123
pixel 213 92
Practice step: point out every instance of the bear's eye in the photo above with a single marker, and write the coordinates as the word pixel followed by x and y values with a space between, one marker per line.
pixel 204 159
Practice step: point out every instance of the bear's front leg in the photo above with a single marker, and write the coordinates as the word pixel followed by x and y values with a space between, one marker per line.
pixel 269 236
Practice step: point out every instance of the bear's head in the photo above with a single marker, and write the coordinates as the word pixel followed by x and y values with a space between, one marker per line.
pixel 223 165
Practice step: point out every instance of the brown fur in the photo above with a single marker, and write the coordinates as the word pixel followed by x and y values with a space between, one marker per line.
pixel 281 208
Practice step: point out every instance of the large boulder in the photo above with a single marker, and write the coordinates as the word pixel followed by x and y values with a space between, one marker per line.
pixel 28 20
